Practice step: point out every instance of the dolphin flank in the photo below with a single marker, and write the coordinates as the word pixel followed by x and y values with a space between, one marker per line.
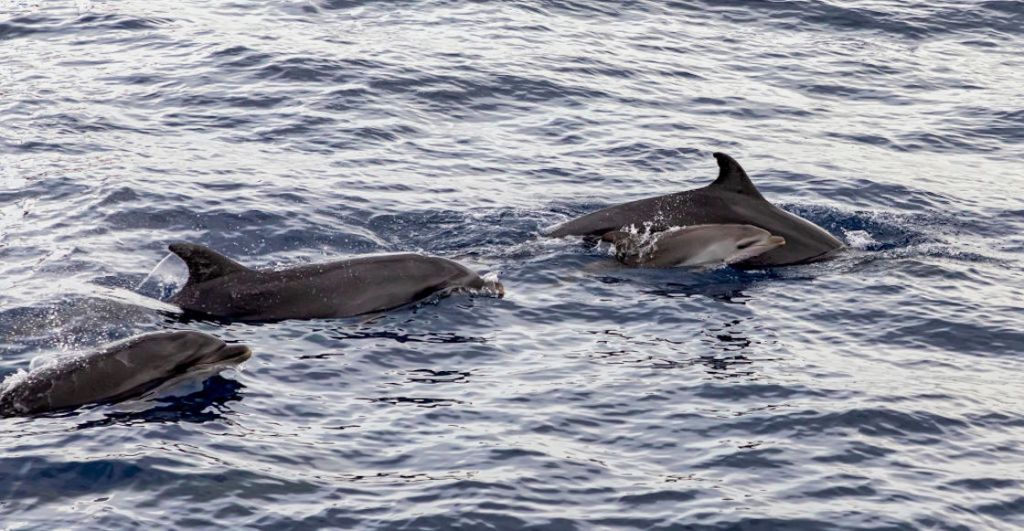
pixel 731 199
pixel 219 286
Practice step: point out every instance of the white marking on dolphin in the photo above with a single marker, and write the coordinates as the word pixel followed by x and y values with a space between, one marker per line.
pixel 120 371
pixel 219 286
pixel 730 199
pixel 699 245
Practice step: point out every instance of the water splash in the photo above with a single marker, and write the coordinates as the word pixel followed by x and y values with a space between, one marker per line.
pixel 169 275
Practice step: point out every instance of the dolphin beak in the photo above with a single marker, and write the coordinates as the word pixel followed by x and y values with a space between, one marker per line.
pixel 235 353
pixel 222 358
pixel 777 241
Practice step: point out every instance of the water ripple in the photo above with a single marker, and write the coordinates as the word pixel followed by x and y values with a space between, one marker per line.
pixel 874 391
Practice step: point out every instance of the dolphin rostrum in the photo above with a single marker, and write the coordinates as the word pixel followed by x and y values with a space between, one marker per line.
pixel 219 286
pixel 730 199
pixel 699 245
pixel 120 371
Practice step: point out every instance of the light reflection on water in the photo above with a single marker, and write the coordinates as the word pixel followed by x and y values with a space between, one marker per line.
pixel 877 390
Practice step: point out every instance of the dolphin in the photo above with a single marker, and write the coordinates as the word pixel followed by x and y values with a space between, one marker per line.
pixel 699 245
pixel 730 199
pixel 120 371
pixel 219 286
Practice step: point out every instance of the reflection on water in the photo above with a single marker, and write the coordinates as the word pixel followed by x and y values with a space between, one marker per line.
pixel 208 404
pixel 877 390
pixel 414 401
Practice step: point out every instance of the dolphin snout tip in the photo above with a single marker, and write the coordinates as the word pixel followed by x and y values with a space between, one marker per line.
pixel 777 240
pixel 237 353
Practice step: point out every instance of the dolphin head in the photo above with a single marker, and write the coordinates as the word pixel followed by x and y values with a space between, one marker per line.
pixel 184 351
pixel 749 241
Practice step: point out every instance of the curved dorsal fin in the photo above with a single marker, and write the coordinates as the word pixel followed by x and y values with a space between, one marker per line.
pixel 732 178
pixel 204 263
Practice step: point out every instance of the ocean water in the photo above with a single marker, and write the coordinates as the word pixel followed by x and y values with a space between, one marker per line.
pixel 881 390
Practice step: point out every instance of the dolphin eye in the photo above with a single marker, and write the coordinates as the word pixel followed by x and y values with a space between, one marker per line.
pixel 744 245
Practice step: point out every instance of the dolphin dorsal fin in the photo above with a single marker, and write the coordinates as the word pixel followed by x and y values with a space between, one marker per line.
pixel 204 263
pixel 732 178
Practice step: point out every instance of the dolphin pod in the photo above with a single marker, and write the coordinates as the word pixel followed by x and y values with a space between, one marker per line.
pixel 118 372
pixel 731 199
pixel 698 245
pixel 727 221
pixel 219 286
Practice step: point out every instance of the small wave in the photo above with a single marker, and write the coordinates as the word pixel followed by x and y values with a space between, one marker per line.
pixel 26 25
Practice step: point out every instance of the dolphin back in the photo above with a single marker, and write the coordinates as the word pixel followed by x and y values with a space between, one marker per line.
pixel 221 287
pixel 731 199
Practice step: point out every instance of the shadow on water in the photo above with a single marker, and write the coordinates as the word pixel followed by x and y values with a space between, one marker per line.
pixel 726 349
pixel 431 376
pixel 734 347
pixel 726 285
pixel 206 405
pixel 727 346
pixel 400 337
pixel 423 402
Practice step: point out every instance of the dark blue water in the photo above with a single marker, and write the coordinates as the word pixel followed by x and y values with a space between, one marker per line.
pixel 882 390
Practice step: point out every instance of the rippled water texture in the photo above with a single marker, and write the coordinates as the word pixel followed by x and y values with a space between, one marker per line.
pixel 881 390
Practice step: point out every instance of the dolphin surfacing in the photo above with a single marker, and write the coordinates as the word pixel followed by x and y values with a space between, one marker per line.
pixel 699 245
pixel 219 286
pixel 118 372
pixel 731 199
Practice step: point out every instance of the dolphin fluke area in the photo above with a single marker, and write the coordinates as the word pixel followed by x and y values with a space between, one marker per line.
pixel 222 287
pixel 731 198
pixel 117 372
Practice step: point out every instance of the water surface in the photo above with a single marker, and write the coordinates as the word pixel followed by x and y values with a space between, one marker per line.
pixel 878 391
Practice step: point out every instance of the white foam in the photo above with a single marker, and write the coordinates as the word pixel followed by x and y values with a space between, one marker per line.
pixel 132 298
pixel 859 239
pixel 13 379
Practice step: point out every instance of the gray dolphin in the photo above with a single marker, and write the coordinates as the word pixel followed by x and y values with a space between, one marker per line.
pixel 699 245
pixel 219 286
pixel 118 372
pixel 730 199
